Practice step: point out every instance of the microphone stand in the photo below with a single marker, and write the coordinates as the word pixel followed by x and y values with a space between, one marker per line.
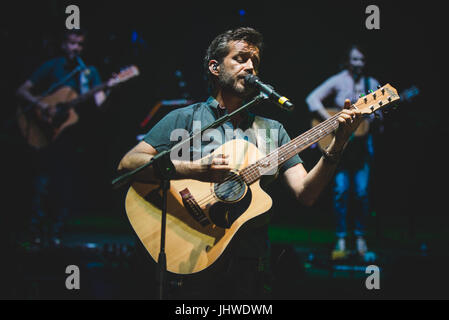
pixel 165 170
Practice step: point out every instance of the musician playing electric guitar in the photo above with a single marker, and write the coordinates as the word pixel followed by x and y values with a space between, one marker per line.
pixel 55 163
pixel 230 57
pixel 354 170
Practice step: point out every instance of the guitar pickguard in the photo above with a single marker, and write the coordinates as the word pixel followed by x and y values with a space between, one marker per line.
pixel 224 214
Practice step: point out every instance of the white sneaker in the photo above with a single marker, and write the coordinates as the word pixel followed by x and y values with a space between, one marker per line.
pixel 362 248
pixel 341 245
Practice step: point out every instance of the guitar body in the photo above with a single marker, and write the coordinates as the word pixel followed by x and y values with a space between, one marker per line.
pixel 38 132
pixel 202 217
pixel 361 130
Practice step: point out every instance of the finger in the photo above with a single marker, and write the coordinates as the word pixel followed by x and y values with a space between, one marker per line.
pixel 207 161
pixel 347 112
pixel 221 168
pixel 220 161
pixel 354 114
pixel 345 118
pixel 347 104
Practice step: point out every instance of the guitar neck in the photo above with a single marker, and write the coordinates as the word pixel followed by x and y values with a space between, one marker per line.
pixel 275 159
pixel 367 105
pixel 87 95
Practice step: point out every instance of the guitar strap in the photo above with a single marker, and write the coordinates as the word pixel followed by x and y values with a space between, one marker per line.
pixel 265 142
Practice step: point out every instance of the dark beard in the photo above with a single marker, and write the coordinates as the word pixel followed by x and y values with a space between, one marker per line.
pixel 227 83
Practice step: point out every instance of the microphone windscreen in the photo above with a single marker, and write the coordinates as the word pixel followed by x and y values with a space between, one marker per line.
pixel 250 79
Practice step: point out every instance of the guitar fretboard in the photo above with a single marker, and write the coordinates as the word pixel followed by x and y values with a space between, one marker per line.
pixel 273 160
pixel 87 95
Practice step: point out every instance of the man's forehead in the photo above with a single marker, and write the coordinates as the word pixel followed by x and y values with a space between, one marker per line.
pixel 242 46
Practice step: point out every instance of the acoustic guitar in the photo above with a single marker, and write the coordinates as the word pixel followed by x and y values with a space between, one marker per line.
pixel 202 217
pixel 363 129
pixel 40 127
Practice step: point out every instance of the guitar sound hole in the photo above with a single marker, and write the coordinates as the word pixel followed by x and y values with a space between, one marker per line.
pixel 224 214
pixel 230 190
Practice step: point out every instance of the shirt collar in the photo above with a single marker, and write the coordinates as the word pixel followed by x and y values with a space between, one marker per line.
pixel 218 111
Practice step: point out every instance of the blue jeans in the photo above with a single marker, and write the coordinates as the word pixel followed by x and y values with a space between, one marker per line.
pixel 342 188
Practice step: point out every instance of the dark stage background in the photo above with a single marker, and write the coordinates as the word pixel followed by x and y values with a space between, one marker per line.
pixel 304 45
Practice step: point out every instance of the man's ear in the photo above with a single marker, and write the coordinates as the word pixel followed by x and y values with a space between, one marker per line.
pixel 214 67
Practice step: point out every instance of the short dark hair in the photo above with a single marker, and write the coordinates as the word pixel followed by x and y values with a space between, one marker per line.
pixel 219 49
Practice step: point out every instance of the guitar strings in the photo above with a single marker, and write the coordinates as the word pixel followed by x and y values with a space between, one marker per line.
pixel 252 170
pixel 324 126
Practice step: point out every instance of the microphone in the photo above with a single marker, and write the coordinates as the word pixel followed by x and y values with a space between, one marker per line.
pixel 282 101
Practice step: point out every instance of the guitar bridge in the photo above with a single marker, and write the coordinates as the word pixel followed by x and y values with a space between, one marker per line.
pixel 193 208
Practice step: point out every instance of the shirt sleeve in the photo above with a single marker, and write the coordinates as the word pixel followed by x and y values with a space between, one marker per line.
pixel 315 98
pixel 283 139
pixel 168 131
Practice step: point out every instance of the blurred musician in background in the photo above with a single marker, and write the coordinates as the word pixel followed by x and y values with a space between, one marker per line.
pixel 353 173
pixel 55 163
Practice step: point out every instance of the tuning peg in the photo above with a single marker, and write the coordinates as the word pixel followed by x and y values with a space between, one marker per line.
pixel 379 86
pixel 361 95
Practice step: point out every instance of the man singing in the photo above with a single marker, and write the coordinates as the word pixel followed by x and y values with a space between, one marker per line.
pixel 230 57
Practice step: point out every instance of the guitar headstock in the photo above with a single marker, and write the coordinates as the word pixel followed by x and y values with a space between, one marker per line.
pixel 124 75
pixel 377 100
